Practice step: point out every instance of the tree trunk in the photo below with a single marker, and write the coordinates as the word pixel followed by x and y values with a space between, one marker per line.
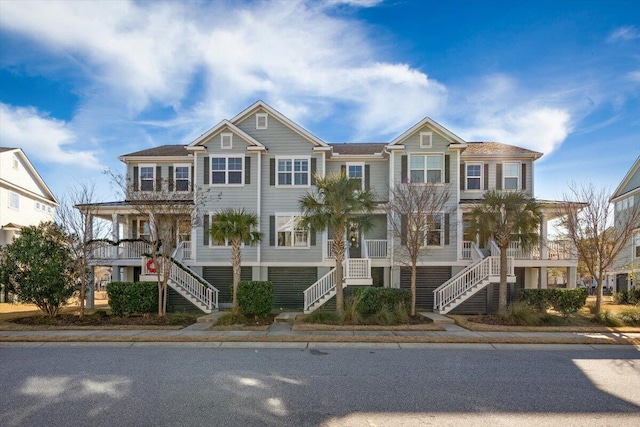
pixel 599 293
pixel 412 309
pixel 502 291
pixel 83 287
pixel 236 262
pixel 338 253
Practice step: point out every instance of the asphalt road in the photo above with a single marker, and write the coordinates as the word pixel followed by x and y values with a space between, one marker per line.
pixel 60 385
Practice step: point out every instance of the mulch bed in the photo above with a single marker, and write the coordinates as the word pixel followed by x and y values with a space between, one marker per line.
pixel 107 320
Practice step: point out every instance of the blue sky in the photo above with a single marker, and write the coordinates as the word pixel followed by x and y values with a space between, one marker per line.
pixel 84 82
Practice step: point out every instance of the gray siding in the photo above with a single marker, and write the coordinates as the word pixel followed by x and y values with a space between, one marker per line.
pixel 491 176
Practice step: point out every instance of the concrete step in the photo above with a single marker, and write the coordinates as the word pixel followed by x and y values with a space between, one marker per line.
pixel 287 316
pixel 437 318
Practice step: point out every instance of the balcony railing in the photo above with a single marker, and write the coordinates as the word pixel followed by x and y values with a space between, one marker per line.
pixel 552 250
pixel 129 249
pixel 374 248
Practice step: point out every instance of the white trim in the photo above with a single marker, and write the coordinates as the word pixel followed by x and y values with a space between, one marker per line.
pixel 427 121
pixel 260 116
pixel 205 137
pixel 426 169
pixel 189 177
pixel 361 164
pixel 625 181
pixel 293 215
pixel 426 135
pixel 153 180
pixel 43 186
pixel 293 172
pixel 504 175
pixel 223 136
pixel 226 171
pixel 466 176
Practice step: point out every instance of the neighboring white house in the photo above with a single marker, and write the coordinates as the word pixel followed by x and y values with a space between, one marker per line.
pixel 25 199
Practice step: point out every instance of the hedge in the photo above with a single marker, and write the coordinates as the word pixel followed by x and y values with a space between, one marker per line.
pixel 372 300
pixel 632 296
pixel 127 298
pixel 255 298
pixel 566 301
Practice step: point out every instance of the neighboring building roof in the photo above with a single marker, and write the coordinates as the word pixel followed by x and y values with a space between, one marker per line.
pixel 3 149
pixel 163 150
pixel 358 149
pixel 620 191
pixel 497 149
pixel 38 179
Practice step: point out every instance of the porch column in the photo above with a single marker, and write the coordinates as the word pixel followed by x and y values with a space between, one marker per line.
pixel 543 277
pixel 544 250
pixel 115 273
pixel 572 277
pixel 114 227
pixel 395 277
pixel 531 278
pixel 91 289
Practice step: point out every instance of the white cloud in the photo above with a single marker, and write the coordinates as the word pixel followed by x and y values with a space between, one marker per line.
pixel 624 33
pixel 354 3
pixel 41 137
pixel 634 76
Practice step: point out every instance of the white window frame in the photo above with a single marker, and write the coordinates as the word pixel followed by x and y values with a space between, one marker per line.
pixel 517 176
pixel 226 171
pixel 153 180
pixel 140 221
pixel 293 232
pixel 357 164
pixel 175 177
pixel 479 178
pixel 14 200
pixel 636 246
pixel 293 172
pixel 226 136
pixel 428 136
pixel 425 238
pixel 260 116
pixel 426 169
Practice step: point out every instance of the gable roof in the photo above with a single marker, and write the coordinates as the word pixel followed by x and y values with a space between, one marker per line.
pixel 163 150
pixel 497 149
pixel 199 141
pixel 285 120
pixel 446 133
pixel 34 173
pixel 635 168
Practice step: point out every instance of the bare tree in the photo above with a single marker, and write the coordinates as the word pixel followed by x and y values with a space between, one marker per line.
pixel 165 210
pixel 76 214
pixel 422 213
pixel 590 226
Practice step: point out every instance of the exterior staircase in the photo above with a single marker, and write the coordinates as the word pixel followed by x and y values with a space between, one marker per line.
pixel 472 279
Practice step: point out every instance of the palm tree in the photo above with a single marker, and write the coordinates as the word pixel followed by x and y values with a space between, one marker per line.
pixel 507 217
pixel 235 226
pixel 337 204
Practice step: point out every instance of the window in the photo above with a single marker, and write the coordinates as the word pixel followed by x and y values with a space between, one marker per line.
pixel 290 233
pixel 182 178
pixel 41 207
pixel 226 170
pixel 14 200
pixel 425 168
pixel 261 121
pixel 355 171
pixel 144 229
pixel 474 176
pixel 435 230
pixel 511 176
pixel 636 246
pixel 147 178
pixel 425 139
pixel 293 172
pixel 226 141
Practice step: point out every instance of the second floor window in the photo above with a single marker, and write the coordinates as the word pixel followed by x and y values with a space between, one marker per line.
pixel 435 230
pixel 426 168
pixel 511 176
pixel 146 178
pixel 293 172
pixel 182 178
pixel 636 246
pixel 226 170
pixel 356 172
pixel 290 233
pixel 474 176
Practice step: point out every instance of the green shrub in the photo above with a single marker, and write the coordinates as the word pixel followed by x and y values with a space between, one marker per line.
pixel 607 319
pixel 566 301
pixel 351 313
pixel 524 314
pixel 621 297
pixel 373 300
pixel 255 298
pixel 322 316
pixel 535 298
pixel 634 296
pixel 232 318
pixel 384 317
pixel 127 298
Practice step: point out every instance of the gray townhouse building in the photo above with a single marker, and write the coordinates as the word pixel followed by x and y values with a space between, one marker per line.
pixel 264 162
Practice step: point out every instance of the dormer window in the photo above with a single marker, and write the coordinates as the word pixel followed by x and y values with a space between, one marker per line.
pixel 226 141
pixel 426 139
pixel 261 121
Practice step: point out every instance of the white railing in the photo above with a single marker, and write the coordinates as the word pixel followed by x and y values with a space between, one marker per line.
pixel 319 289
pixel 560 250
pixel 467 279
pixel 194 285
pixel 102 250
pixel 357 268
pixel 133 249
pixel 466 249
pixel 376 248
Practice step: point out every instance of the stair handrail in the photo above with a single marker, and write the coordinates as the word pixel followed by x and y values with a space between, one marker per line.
pixel 494 248
pixel 194 284
pixel 320 288
pixel 462 282
pixel 476 252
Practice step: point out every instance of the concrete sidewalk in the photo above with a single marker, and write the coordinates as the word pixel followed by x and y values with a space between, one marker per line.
pixel 281 333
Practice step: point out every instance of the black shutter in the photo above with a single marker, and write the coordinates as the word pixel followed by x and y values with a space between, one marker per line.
pixel 272 172
pixel 136 186
pixel 206 171
pixel 462 173
pixel 446 229
pixel 403 229
pixel 499 176
pixel 403 170
pixel 313 171
pixel 158 178
pixel 272 230
pixel 524 176
pixel 205 230
pixel 193 178
pixel 447 169
pixel 367 177
pixel 485 167
pixel 170 182
pixel 247 170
